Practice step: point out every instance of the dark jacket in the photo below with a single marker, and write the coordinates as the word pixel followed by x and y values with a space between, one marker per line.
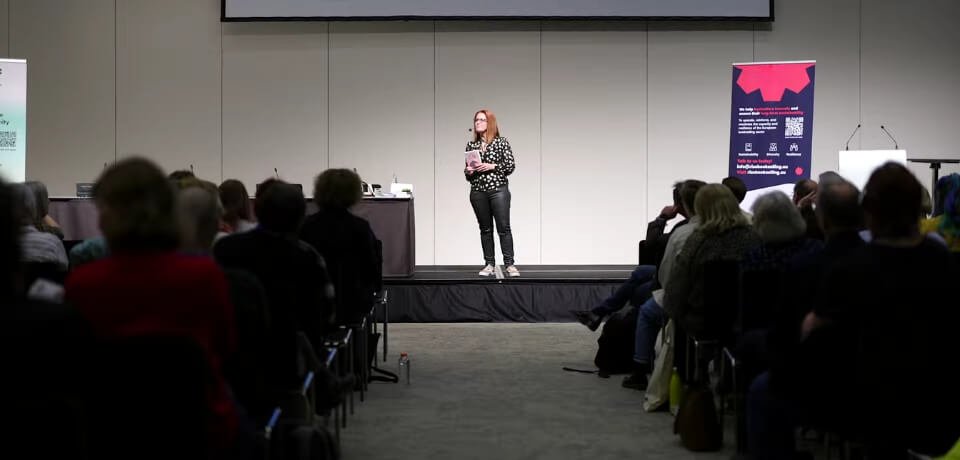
pixel 297 287
pixel 349 247
pixel 684 300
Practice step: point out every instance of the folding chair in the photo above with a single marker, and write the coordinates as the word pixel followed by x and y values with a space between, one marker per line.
pixel 342 340
pixel 271 447
pixel 382 298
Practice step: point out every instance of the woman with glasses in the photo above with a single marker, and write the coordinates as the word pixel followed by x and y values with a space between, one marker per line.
pixel 489 189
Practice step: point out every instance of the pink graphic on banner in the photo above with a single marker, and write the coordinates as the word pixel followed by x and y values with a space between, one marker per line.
pixel 773 79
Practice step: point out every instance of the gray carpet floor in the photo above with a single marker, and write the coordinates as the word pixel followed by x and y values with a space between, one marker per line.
pixel 497 391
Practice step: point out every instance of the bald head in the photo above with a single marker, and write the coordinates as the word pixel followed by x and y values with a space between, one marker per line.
pixel 838 208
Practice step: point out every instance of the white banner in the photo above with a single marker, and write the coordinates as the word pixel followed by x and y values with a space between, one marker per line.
pixel 13 119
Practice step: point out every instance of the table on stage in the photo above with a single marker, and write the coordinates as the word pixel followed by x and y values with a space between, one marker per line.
pixel 392 220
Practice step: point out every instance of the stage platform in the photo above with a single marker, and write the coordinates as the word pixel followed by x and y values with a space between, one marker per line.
pixel 543 293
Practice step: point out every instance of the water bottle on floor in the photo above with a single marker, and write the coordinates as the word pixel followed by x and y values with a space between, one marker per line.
pixel 676 392
pixel 404 367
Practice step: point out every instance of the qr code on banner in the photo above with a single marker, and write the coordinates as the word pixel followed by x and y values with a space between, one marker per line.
pixel 8 138
pixel 794 127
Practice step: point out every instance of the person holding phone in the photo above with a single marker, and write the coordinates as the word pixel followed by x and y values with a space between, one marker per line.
pixel 489 189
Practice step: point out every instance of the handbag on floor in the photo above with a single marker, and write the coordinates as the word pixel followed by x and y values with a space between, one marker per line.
pixel 615 345
pixel 658 388
pixel 697 422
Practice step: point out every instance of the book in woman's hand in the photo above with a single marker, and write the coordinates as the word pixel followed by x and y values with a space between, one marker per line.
pixel 472 159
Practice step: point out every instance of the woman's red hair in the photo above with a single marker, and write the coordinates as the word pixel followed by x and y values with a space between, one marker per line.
pixel 492 129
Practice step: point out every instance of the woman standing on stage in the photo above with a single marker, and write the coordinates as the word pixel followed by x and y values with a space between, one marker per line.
pixel 489 189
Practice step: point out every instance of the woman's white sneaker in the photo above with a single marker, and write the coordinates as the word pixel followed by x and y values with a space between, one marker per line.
pixel 513 271
pixel 487 271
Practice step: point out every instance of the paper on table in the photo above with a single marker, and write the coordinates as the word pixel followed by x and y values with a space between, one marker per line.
pixel 472 159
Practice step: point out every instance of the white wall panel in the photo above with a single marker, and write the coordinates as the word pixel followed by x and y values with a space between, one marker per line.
pixel 381 110
pixel 274 102
pixel 168 83
pixel 690 81
pixel 70 88
pixel 594 143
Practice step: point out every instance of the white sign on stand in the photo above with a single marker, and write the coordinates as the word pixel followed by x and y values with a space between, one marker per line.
pixel 13 119
pixel 857 165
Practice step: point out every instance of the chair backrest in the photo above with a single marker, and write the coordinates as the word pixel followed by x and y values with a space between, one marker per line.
pixel 721 289
pixel 379 246
pixel 32 271
pixel 148 399
pixel 249 370
pixel 760 299
pixel 69 244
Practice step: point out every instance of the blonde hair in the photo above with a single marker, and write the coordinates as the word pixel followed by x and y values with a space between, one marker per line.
pixel 718 210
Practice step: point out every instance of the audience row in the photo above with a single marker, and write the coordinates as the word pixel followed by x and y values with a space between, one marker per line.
pixel 836 304
pixel 182 257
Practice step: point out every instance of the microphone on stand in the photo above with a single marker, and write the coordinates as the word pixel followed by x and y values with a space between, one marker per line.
pixel 276 173
pixel 851 136
pixel 896 146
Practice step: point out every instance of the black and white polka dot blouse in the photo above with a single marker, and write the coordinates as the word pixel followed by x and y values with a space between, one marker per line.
pixel 497 152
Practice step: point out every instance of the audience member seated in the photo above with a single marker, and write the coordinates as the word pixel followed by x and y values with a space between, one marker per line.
pixel 641 283
pixel 88 251
pixel 840 217
pixel 739 189
pixel 652 316
pixel 782 231
pixel 146 288
pixel 42 219
pixel 723 235
pixel 881 319
pixel 43 348
pixel 247 371
pixel 804 195
pixel 947 223
pixel 236 208
pixel 36 247
pixel 293 274
pixel 657 236
pixel 345 241
pixel 179 175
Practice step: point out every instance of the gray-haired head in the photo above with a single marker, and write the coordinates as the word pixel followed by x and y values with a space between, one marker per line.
pixel 41 198
pixel 776 219
pixel 199 213
pixel 25 204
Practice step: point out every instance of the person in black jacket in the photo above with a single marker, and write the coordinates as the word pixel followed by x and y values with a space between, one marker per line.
pixel 292 273
pixel 345 241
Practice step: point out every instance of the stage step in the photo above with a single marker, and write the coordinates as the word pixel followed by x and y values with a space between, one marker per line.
pixel 543 293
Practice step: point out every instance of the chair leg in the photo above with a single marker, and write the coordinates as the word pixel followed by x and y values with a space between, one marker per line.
pixel 386 326
pixel 350 352
pixel 361 333
pixel 373 324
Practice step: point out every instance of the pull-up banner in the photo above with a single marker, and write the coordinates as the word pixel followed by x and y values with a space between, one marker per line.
pixel 13 119
pixel 771 123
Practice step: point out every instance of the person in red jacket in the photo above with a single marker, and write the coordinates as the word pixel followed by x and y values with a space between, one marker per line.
pixel 147 288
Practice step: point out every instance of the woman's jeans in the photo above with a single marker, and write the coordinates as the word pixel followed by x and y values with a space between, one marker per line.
pixel 490 205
